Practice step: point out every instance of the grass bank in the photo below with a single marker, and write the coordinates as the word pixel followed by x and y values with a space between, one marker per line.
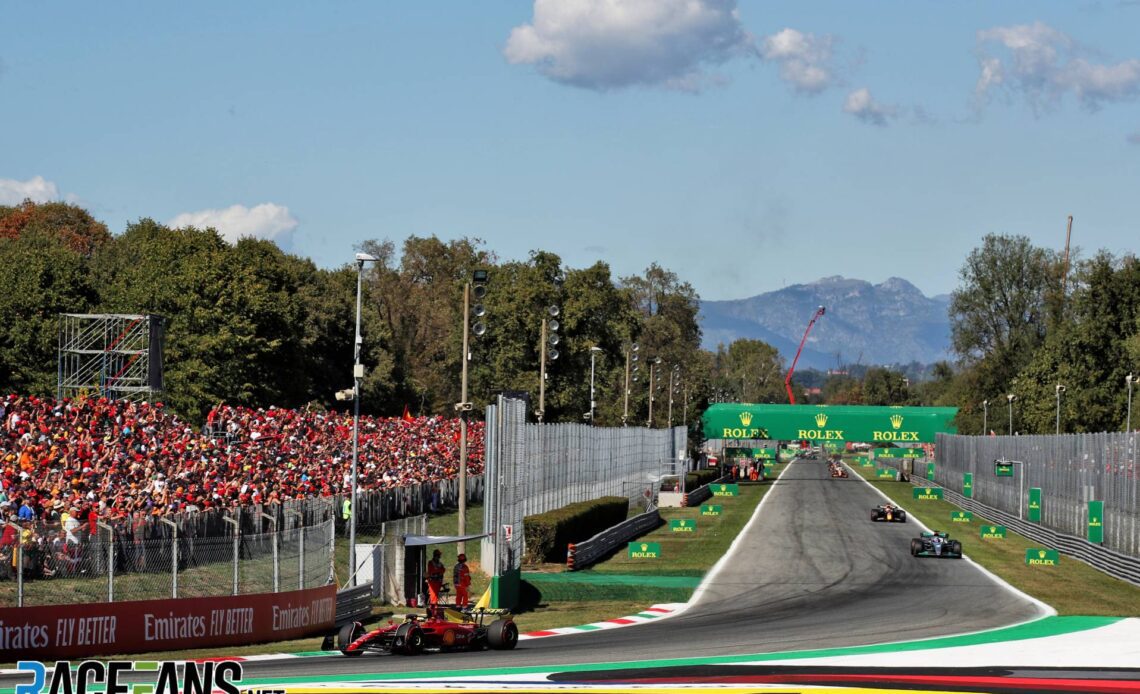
pixel 1072 588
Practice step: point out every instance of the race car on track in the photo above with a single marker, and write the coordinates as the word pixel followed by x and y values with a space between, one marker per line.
pixel 936 544
pixel 837 470
pixel 888 513
pixel 440 628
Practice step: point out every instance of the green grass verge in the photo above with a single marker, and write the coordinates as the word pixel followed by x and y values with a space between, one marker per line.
pixel 1072 588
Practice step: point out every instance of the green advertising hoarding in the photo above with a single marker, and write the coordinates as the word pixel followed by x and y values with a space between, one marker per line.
pixel 930 471
pixel 1003 468
pixel 1039 556
pixel 909 453
pixel 645 550
pixel 1035 504
pixel 992 532
pixel 1096 522
pixel 885 473
pixel 725 489
pixel 837 424
pixel 928 493
pixel 711 510
pixel 968 485
pixel 683 525
pixel 961 517
pixel 764 453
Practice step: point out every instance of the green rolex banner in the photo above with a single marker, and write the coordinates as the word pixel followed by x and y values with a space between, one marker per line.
pixel 1035 504
pixel 961 517
pixel 1003 469
pixel 725 489
pixel 930 471
pixel 885 473
pixel 1096 522
pixel 968 485
pixel 710 510
pixel 764 453
pixel 899 453
pixel 644 550
pixel 928 493
pixel 1037 556
pixel 683 525
pixel 992 532
pixel 827 423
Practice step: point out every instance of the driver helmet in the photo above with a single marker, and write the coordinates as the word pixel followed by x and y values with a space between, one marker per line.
pixel 462 557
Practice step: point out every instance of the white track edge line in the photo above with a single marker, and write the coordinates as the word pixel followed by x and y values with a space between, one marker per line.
pixel 1045 609
pixel 720 563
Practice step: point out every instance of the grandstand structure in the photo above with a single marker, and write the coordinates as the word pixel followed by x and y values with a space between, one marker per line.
pixel 116 356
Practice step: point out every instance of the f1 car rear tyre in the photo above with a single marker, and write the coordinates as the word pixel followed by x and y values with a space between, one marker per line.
pixel 502 635
pixel 347 634
pixel 915 547
pixel 409 639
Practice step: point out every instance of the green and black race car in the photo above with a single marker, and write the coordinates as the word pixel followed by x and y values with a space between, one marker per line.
pixel 936 544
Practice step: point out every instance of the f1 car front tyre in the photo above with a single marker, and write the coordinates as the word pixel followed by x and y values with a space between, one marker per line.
pixel 956 548
pixel 502 635
pixel 915 547
pixel 349 633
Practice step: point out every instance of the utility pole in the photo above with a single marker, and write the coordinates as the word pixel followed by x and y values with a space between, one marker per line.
pixel 464 407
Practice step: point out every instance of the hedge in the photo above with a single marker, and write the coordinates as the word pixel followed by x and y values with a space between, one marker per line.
pixel 548 534
pixel 700 478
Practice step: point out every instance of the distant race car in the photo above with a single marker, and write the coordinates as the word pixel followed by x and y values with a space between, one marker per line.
pixel 838 471
pixel 887 513
pixel 440 629
pixel 936 544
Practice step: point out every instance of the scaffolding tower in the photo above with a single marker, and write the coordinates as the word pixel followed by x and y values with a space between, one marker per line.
pixel 115 356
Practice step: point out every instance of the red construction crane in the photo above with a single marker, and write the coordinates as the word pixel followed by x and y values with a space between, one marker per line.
pixel 788 381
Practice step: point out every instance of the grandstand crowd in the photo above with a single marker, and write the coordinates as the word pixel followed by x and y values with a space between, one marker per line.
pixel 69 464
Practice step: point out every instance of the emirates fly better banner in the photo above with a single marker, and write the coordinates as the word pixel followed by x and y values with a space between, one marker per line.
pixel 79 631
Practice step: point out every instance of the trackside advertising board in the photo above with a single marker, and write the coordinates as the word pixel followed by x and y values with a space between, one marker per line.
pixel 79 631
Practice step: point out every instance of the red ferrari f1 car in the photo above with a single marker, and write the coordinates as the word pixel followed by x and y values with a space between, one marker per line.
pixel 837 470
pixel 440 629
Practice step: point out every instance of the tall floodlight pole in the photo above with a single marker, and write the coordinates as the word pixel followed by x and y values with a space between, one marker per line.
pixel 593 402
pixel 357 377
pixel 985 417
pixel 1010 398
pixel 542 373
pixel 463 408
pixel 1060 389
pixel 652 363
pixel 673 373
pixel 630 370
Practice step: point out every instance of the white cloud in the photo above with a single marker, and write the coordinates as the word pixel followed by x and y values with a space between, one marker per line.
pixel 265 221
pixel 1043 64
pixel 36 189
pixel 612 44
pixel 805 59
pixel 863 106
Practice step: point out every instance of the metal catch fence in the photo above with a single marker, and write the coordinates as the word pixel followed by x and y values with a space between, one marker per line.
pixel 1070 470
pixel 52 566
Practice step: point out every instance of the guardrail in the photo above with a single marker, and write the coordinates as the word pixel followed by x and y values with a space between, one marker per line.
pixel 1115 564
pixel 701 493
pixel 352 604
pixel 585 553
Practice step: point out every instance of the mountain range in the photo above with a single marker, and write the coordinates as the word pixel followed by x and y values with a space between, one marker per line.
pixel 869 324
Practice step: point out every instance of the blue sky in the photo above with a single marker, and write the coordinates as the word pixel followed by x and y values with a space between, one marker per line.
pixel 743 145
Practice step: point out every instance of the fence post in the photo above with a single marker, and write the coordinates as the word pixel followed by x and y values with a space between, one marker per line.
pixel 237 549
pixel 173 559
pixel 110 560
pixel 273 541
pixel 19 573
pixel 301 548
pixel 332 551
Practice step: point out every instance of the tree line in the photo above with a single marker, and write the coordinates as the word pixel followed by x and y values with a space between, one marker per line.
pixel 250 324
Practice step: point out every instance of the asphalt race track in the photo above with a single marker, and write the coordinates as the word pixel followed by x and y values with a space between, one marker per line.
pixel 812 572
